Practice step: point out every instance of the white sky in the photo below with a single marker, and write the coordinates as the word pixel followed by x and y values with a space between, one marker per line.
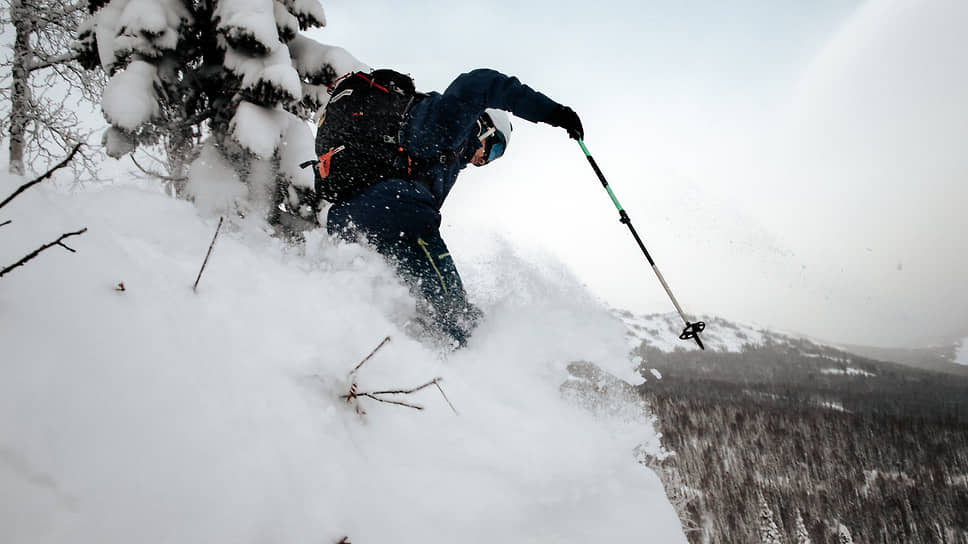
pixel 793 164
pixel 797 165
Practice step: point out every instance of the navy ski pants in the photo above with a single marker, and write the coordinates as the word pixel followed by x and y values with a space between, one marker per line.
pixel 399 220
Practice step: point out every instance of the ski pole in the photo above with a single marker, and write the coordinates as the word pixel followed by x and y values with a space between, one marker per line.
pixel 692 330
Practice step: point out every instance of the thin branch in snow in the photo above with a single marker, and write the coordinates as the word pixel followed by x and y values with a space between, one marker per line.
pixel 351 396
pixel 354 394
pixel 158 175
pixel 441 389
pixel 207 255
pixel 376 349
pixel 388 401
pixel 41 178
pixel 403 391
pixel 5 223
pixel 31 255
pixel 376 395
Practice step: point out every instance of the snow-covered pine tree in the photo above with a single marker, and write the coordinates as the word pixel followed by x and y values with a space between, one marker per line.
pixel 40 74
pixel 224 86
pixel 803 537
pixel 769 532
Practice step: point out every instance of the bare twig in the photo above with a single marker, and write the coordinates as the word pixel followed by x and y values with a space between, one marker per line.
pixel 367 358
pixel 57 242
pixel 441 389
pixel 5 223
pixel 351 396
pixel 388 401
pixel 158 175
pixel 46 175
pixel 375 395
pixel 404 391
pixel 207 255
pixel 354 394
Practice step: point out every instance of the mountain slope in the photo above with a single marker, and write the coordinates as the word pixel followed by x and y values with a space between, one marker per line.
pixel 808 430
pixel 157 414
pixel 939 358
pixel 661 331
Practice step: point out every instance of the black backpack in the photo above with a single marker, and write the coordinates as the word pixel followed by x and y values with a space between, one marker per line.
pixel 358 140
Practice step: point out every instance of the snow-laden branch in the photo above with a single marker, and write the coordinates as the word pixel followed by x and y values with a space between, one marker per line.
pixel 40 64
pixel 234 72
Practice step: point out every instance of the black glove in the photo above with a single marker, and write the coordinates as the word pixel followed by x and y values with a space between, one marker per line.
pixel 566 118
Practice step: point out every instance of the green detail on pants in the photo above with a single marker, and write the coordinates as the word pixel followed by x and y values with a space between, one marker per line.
pixel 423 246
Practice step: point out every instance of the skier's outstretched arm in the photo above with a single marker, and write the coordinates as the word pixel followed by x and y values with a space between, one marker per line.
pixel 463 102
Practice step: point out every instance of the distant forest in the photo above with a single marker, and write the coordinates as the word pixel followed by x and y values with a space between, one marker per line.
pixel 797 443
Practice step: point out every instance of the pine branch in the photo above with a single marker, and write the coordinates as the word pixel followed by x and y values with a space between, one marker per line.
pixel 46 175
pixel 31 255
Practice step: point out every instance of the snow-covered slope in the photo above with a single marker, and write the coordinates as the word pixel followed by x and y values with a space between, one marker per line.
pixel 662 332
pixel 157 414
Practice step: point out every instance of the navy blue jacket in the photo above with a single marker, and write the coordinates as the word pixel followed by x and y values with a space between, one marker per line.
pixel 439 125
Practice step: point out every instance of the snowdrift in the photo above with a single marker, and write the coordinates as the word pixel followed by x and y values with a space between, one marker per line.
pixel 159 414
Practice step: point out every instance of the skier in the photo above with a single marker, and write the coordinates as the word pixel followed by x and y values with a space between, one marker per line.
pixel 442 133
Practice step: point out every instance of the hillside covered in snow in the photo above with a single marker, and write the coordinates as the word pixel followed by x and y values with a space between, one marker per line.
pixel 660 331
pixel 134 409
pixel 780 435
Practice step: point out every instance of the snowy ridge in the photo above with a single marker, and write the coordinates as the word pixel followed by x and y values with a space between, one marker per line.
pixel 662 332
pixel 133 409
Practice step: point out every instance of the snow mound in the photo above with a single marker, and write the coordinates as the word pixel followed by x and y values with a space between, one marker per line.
pixel 133 409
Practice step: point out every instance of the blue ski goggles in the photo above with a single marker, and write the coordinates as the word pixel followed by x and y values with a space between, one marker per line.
pixel 494 146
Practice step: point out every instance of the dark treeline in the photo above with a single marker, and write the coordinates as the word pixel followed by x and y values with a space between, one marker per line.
pixel 879 448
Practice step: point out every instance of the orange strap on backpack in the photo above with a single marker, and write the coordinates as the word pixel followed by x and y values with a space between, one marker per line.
pixel 325 159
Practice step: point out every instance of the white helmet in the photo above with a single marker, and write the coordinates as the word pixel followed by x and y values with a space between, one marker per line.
pixel 495 127
pixel 502 122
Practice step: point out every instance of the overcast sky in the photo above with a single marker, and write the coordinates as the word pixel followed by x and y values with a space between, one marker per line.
pixel 798 165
